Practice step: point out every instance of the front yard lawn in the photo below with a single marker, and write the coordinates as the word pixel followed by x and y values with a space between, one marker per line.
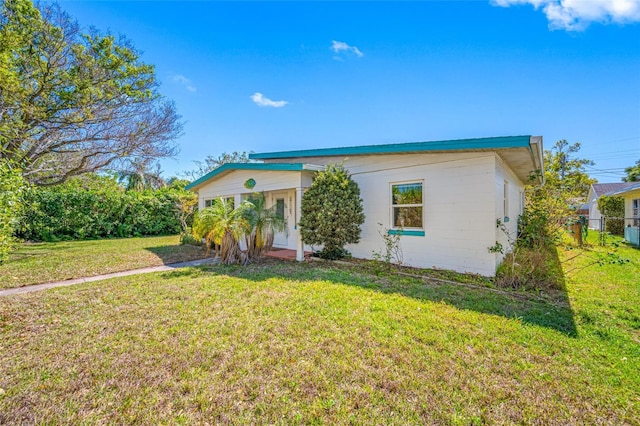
pixel 35 263
pixel 282 343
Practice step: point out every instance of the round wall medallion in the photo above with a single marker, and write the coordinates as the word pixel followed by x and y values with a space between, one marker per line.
pixel 250 183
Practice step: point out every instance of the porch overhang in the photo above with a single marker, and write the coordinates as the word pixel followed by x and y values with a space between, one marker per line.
pixel 230 167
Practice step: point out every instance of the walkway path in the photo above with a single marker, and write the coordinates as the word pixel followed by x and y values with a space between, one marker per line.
pixel 46 286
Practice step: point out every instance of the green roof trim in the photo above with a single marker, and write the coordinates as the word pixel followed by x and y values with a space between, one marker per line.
pixel 287 167
pixel 501 142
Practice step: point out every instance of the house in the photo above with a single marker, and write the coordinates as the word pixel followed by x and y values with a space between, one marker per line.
pixel 465 187
pixel 631 194
pixel 596 191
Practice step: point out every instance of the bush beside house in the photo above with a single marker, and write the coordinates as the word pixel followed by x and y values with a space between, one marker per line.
pixel 332 212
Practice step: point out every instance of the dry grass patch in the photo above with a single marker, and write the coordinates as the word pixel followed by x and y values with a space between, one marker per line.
pixel 35 263
pixel 311 344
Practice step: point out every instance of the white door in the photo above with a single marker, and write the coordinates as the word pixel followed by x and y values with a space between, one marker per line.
pixel 279 200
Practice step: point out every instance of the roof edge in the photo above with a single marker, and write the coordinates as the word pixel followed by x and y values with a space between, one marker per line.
pixel 633 186
pixel 498 142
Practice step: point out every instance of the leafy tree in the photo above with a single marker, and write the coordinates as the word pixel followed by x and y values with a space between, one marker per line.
pixel 332 212
pixel 12 187
pixel 548 207
pixel 211 163
pixel 633 173
pixel 264 222
pixel 72 103
pixel 186 204
pixel 565 172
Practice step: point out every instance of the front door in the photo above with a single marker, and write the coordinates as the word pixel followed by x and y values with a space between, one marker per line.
pixel 281 239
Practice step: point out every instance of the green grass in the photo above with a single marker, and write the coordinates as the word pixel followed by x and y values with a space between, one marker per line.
pixel 35 263
pixel 287 343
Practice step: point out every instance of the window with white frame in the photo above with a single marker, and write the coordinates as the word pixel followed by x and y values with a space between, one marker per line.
pixel 635 211
pixel 407 205
pixel 229 200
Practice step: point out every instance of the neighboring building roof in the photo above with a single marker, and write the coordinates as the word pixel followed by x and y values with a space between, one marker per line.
pixel 229 167
pixel 630 186
pixel 600 189
pixel 522 153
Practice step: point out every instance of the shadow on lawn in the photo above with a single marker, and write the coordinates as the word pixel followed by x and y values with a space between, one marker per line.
pixel 178 253
pixel 551 311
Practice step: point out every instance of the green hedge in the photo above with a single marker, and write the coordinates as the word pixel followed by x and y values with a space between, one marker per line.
pixel 67 212
pixel 12 187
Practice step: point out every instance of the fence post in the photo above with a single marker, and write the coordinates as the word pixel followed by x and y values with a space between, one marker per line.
pixel 576 227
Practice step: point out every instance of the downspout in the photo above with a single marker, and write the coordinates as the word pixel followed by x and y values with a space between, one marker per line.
pixel 535 144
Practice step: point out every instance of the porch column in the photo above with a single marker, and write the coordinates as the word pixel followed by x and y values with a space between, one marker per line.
pixel 299 243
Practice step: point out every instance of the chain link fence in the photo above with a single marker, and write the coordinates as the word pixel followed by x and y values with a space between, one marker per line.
pixel 627 227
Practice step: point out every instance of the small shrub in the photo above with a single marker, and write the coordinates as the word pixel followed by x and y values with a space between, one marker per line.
pixel 392 251
pixel 333 253
pixel 188 239
pixel 530 269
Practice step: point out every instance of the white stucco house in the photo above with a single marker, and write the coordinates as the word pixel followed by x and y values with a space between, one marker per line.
pixel 464 187
pixel 596 191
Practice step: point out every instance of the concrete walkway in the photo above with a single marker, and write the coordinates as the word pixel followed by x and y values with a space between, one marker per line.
pixel 46 286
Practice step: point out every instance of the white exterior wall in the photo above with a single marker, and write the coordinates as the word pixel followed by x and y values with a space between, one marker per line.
pixel 594 213
pixel 459 207
pixel 232 184
pixel 628 203
pixel 515 207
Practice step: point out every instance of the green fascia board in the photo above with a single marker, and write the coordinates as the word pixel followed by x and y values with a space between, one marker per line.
pixel 409 232
pixel 501 142
pixel 288 167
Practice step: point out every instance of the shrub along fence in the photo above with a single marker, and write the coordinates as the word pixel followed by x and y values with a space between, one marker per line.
pixel 62 213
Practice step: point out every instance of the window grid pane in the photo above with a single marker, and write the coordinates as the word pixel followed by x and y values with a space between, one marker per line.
pixel 406 205
pixel 407 217
pixel 407 193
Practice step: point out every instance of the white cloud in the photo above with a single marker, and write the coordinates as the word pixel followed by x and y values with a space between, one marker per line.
pixel 340 46
pixel 576 15
pixel 260 100
pixel 179 78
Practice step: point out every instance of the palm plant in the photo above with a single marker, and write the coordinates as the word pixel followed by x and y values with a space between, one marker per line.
pixel 141 175
pixel 264 223
pixel 223 226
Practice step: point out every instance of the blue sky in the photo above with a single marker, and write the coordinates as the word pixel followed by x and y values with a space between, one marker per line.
pixel 270 76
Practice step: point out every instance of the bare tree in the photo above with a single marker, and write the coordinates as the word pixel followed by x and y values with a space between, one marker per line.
pixel 73 103
pixel 211 163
